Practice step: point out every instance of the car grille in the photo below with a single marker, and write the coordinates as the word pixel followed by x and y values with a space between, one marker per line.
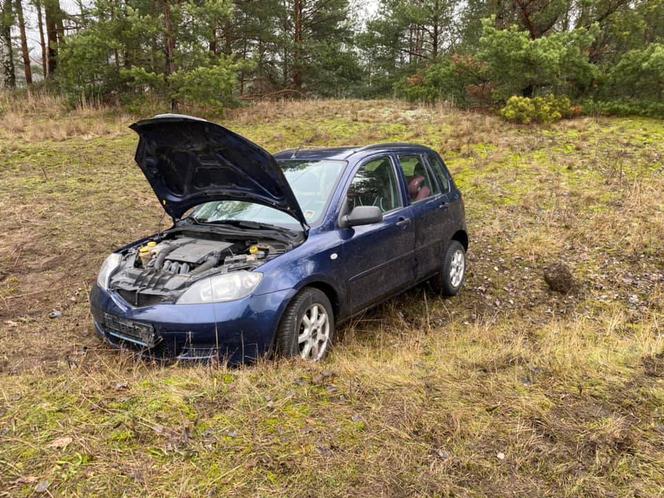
pixel 140 299
pixel 130 330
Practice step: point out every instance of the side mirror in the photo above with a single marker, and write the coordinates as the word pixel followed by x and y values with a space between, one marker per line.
pixel 362 215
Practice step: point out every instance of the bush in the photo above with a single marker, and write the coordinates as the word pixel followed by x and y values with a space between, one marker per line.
pixel 548 109
pixel 84 73
pixel 210 86
pixel 516 64
pixel 458 79
pixel 624 108
pixel 638 75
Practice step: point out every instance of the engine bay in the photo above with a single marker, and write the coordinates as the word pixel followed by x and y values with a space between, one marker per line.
pixel 160 268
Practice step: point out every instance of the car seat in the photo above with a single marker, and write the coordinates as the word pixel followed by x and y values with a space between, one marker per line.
pixel 417 186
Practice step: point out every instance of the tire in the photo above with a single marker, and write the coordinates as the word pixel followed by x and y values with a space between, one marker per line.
pixel 448 283
pixel 291 341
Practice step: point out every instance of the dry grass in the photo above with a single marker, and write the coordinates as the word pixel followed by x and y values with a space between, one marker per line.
pixel 508 389
pixel 39 116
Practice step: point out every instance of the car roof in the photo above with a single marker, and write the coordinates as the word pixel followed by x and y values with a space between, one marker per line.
pixel 344 153
pixel 316 153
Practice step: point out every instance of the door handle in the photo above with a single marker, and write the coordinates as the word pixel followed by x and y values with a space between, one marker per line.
pixel 443 205
pixel 403 222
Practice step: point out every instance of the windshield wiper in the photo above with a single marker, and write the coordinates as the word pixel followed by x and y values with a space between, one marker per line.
pixel 257 225
pixel 254 226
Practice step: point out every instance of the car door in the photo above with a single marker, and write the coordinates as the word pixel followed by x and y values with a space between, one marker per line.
pixel 429 206
pixel 378 258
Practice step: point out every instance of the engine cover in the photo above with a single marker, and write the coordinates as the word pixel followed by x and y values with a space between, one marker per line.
pixel 196 251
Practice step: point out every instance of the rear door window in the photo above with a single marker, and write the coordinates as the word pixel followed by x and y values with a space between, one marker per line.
pixel 440 172
pixel 419 180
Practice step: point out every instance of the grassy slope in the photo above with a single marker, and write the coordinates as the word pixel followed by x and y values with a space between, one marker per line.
pixel 506 390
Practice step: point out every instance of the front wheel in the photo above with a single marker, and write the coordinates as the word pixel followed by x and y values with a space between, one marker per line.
pixel 307 327
pixel 453 273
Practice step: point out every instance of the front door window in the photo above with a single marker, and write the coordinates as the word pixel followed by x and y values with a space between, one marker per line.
pixel 375 184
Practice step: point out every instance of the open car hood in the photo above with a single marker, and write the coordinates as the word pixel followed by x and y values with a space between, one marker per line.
pixel 189 161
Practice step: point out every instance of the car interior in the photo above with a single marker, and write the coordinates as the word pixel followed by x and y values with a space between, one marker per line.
pixel 375 184
pixel 417 178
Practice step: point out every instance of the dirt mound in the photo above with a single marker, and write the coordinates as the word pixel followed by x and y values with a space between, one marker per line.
pixel 559 278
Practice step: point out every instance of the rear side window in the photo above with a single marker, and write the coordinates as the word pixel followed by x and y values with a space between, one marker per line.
pixel 419 180
pixel 439 171
pixel 375 184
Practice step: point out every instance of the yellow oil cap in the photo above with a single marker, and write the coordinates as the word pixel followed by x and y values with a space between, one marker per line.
pixel 253 249
pixel 152 243
pixel 144 249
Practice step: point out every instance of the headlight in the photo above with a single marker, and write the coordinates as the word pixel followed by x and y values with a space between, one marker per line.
pixel 107 268
pixel 222 288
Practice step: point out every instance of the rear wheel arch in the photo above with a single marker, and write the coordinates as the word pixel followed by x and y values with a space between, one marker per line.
pixel 449 280
pixel 462 237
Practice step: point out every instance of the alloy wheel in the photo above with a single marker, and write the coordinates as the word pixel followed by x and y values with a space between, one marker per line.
pixel 457 268
pixel 314 333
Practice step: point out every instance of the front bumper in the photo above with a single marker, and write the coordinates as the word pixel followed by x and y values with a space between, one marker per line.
pixel 238 331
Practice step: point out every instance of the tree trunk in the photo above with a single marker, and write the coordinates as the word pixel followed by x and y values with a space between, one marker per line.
pixel 436 26
pixel 298 8
pixel 24 43
pixel 6 55
pixel 213 42
pixel 59 20
pixel 116 52
pixel 434 42
pixel 228 38
pixel 169 39
pixel 245 50
pixel 285 26
pixel 52 11
pixel 126 54
pixel 83 16
pixel 169 47
pixel 42 39
pixel 525 14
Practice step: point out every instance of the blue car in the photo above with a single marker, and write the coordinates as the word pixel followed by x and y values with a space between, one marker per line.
pixel 267 253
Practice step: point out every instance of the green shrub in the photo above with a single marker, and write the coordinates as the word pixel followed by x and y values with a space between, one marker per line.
pixel 459 78
pixel 519 110
pixel 210 86
pixel 84 73
pixel 547 109
pixel 652 109
pixel 516 64
pixel 638 75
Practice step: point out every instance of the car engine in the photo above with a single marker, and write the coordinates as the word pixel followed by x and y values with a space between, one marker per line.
pixel 164 266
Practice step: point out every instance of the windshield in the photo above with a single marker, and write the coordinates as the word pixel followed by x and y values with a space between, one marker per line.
pixel 311 182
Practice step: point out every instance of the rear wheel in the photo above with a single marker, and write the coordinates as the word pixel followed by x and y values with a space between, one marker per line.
pixel 453 273
pixel 307 327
